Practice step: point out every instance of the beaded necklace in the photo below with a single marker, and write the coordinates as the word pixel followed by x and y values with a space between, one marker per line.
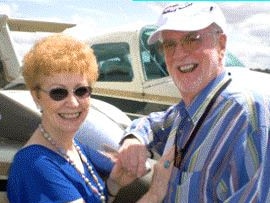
pixel 99 190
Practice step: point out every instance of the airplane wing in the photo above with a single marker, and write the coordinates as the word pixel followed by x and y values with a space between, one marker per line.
pixel 24 25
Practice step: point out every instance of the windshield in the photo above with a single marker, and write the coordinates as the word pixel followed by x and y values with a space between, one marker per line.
pixel 152 61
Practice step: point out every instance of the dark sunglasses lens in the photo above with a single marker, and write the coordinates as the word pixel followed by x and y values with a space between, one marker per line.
pixel 83 91
pixel 58 94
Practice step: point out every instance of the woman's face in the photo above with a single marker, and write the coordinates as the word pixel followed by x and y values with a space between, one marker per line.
pixel 67 114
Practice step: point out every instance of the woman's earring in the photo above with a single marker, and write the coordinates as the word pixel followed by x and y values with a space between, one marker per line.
pixel 39 108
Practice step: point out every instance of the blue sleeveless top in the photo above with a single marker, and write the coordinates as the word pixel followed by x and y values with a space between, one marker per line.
pixel 39 174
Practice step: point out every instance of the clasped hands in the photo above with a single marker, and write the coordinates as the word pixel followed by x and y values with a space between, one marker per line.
pixel 131 163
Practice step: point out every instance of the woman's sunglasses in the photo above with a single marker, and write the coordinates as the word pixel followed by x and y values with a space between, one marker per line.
pixel 59 93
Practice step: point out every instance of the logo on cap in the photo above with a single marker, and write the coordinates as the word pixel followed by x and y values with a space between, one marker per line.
pixel 175 7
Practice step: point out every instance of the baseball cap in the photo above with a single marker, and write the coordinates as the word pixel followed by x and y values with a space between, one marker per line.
pixel 188 17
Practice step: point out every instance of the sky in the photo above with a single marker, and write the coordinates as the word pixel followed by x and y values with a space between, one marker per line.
pixel 248 22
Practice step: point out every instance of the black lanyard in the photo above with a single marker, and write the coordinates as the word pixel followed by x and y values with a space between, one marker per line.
pixel 181 152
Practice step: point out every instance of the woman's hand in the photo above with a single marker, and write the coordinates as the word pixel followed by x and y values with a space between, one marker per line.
pixel 133 155
pixel 119 178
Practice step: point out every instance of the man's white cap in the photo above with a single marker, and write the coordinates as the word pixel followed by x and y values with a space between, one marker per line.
pixel 188 17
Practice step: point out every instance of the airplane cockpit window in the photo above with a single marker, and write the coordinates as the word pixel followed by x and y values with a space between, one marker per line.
pixel 114 62
pixel 152 61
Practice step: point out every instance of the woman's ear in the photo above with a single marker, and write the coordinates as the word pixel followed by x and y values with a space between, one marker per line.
pixel 36 99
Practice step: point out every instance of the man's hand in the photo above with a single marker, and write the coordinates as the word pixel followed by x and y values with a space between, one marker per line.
pixel 161 176
pixel 160 179
pixel 133 155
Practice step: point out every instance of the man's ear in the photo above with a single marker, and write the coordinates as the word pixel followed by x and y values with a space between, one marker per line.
pixel 222 41
pixel 222 45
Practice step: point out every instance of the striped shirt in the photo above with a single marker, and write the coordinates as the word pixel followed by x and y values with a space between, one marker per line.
pixel 225 160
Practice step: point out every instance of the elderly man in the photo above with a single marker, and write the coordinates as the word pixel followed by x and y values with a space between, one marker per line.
pixel 220 131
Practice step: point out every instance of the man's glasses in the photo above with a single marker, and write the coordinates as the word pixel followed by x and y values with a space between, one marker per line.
pixel 189 43
pixel 59 93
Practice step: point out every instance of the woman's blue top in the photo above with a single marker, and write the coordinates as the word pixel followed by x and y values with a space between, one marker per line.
pixel 39 174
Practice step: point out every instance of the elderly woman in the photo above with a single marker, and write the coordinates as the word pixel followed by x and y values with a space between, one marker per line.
pixel 53 166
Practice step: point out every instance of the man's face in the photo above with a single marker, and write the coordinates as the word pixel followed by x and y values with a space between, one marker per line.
pixel 193 58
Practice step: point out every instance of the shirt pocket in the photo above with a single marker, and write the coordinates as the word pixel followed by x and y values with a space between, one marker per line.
pixel 193 188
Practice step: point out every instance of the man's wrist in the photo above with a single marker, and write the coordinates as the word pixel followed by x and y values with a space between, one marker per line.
pixel 130 136
pixel 150 153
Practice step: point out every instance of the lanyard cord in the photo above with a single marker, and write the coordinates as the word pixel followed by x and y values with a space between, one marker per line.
pixel 181 152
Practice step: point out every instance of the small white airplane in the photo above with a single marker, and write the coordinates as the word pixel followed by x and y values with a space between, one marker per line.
pixel 133 75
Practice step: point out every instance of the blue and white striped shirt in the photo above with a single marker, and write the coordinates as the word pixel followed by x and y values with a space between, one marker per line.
pixel 225 161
